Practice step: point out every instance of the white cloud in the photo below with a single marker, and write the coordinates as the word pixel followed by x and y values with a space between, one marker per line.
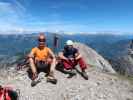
pixel 6 8
pixel 12 15
pixel 18 8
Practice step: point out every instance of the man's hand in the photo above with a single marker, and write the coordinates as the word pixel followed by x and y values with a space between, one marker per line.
pixel 66 59
pixel 34 75
pixel 71 59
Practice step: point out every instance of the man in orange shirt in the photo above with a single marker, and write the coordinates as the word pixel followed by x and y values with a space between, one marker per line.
pixel 42 58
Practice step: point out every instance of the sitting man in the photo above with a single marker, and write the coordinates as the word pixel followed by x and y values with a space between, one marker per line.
pixel 42 58
pixel 70 57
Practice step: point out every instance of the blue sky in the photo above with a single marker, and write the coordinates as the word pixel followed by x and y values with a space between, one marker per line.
pixel 66 15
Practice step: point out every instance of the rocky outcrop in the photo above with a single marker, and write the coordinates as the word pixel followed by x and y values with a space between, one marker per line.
pixel 123 61
pixel 99 86
pixel 124 65
pixel 93 58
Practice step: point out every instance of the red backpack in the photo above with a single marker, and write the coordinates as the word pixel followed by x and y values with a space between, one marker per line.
pixel 7 93
pixel 4 94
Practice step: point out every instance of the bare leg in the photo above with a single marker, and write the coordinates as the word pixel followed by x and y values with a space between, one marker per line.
pixel 33 68
pixel 52 63
pixel 51 78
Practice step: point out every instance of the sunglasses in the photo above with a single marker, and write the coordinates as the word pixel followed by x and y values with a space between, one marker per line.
pixel 41 43
pixel 41 40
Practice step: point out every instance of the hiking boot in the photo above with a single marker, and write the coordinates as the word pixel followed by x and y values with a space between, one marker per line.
pixel 51 78
pixel 35 82
pixel 71 73
pixel 84 75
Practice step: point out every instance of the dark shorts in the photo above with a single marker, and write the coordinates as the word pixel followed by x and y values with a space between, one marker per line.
pixel 42 66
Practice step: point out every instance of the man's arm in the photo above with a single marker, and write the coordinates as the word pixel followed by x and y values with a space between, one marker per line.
pixel 52 54
pixel 77 55
pixel 62 56
pixel 31 55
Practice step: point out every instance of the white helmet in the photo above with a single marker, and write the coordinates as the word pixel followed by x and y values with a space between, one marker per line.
pixel 69 42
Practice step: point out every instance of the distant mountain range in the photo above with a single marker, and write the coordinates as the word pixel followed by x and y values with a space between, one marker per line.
pixel 12 44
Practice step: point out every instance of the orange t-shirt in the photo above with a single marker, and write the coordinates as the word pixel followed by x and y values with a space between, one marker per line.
pixel 42 54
